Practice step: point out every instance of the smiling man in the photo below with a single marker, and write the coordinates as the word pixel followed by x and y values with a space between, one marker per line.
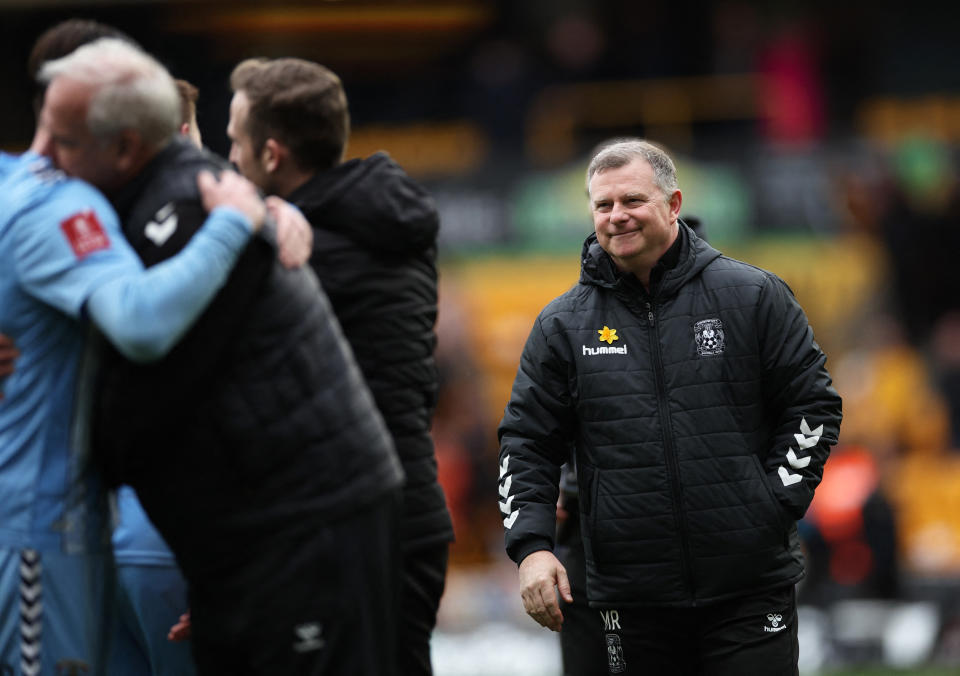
pixel 701 414
pixel 634 218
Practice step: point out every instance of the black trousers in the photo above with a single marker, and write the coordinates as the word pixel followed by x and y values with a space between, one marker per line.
pixel 755 634
pixel 582 646
pixel 316 600
pixel 424 573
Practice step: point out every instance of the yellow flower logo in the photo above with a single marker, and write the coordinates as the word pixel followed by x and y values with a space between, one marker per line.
pixel 607 334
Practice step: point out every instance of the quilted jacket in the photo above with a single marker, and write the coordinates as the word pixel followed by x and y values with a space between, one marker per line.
pixel 259 418
pixel 374 251
pixel 701 413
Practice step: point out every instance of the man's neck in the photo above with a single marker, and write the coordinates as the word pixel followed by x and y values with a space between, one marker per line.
pixel 285 185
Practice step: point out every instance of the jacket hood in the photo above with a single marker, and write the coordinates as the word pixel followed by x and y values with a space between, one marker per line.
pixel 373 202
pixel 598 269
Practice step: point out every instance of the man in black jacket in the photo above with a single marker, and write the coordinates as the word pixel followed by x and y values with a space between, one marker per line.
pixel 374 251
pixel 701 414
pixel 255 447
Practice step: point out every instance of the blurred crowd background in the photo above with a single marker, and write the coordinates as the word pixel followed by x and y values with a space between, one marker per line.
pixel 814 139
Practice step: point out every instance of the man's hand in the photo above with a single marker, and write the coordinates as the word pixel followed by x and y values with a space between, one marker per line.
pixel 181 630
pixel 540 575
pixel 294 234
pixel 7 355
pixel 232 190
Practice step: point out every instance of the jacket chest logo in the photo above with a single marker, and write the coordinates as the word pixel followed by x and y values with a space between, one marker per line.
pixel 607 335
pixel 708 335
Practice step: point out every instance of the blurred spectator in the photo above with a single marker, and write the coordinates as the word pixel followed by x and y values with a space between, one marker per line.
pixel 791 88
pixel 890 404
pixel 463 433
pixel 945 351
pixel 849 533
pixel 921 229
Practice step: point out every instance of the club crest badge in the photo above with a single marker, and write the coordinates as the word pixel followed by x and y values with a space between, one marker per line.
pixel 615 662
pixel 709 337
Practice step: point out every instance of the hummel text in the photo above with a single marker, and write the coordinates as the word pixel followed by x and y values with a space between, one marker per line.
pixel 604 350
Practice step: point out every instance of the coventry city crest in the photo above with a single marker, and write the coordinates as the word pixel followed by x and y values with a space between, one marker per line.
pixel 709 336
pixel 615 661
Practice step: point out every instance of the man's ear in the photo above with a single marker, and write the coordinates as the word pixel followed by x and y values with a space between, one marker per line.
pixel 676 199
pixel 274 154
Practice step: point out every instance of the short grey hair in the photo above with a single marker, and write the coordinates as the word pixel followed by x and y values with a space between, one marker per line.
pixel 621 152
pixel 132 90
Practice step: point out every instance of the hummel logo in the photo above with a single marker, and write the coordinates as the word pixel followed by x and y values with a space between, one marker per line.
pixel 589 351
pixel 163 225
pixel 505 488
pixel 807 438
pixel 309 637
pixel 774 619
pixel 506 505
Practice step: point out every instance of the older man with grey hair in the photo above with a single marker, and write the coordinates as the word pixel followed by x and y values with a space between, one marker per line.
pixel 701 414
pixel 64 266
pixel 109 108
pixel 255 447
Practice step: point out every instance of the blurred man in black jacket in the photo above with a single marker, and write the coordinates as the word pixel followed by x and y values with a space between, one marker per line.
pixel 254 446
pixel 374 251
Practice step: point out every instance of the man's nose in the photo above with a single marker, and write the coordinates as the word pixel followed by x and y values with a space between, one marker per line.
pixel 618 214
pixel 41 142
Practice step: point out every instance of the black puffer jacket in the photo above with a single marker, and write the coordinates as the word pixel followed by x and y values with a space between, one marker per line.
pixel 374 250
pixel 258 419
pixel 702 418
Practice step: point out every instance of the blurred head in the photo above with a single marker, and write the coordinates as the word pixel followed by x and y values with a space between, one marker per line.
pixel 188 111
pixel 635 203
pixel 62 39
pixel 287 115
pixel 109 108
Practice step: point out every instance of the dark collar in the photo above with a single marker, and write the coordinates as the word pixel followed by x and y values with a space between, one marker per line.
pixel 668 260
pixel 126 198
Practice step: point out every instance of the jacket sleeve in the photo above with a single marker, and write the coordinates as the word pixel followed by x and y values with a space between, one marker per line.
pixel 535 435
pixel 803 407
pixel 146 313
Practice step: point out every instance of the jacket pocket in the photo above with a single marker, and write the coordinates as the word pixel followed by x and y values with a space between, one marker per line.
pixel 588 478
pixel 782 518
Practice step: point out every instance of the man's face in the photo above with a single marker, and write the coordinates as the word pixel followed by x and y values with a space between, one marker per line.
pixel 635 223
pixel 64 137
pixel 242 153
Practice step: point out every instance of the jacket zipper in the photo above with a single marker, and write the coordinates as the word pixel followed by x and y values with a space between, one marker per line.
pixel 673 464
